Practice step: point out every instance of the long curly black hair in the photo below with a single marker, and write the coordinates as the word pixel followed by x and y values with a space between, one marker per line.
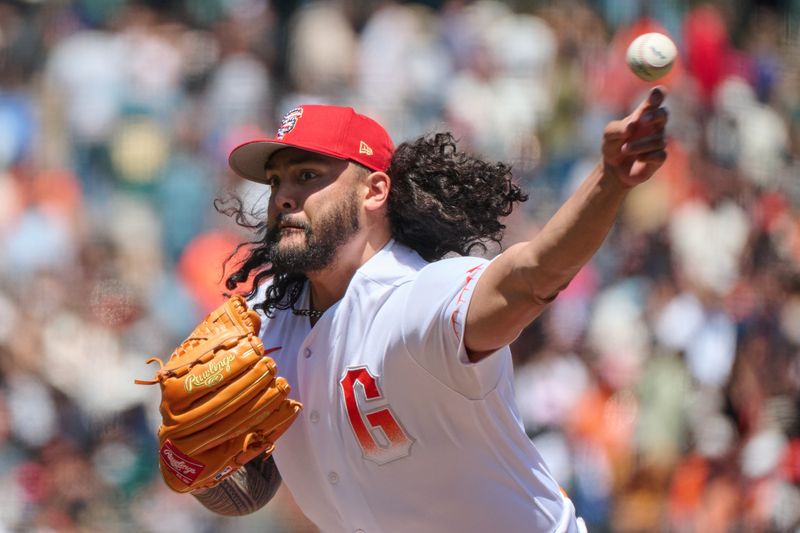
pixel 442 201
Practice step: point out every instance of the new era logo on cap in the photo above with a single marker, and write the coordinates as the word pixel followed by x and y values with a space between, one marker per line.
pixel 330 130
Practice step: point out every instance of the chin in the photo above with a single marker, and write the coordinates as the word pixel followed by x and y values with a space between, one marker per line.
pixel 293 244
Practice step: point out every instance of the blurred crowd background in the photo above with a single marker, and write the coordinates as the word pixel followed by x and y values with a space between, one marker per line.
pixel 662 386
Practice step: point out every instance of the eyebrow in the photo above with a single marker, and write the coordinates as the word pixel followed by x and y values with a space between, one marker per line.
pixel 300 159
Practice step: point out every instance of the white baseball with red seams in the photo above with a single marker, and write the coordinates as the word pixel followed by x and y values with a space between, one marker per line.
pixel 651 56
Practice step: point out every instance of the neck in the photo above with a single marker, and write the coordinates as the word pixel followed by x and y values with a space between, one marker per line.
pixel 329 285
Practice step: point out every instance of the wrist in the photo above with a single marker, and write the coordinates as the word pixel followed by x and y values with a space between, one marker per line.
pixel 613 179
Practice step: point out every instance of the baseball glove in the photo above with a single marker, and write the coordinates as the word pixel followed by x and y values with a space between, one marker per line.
pixel 222 403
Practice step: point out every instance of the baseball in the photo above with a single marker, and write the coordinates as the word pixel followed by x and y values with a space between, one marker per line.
pixel 651 55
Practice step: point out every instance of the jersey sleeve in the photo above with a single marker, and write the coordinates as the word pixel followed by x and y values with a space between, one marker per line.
pixel 433 323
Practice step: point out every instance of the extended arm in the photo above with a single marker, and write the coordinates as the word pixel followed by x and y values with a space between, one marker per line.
pixel 246 491
pixel 518 285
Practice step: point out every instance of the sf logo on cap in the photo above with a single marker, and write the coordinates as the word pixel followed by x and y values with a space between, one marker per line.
pixel 288 122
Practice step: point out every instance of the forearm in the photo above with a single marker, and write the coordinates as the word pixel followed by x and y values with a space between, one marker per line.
pixel 244 492
pixel 519 284
pixel 573 235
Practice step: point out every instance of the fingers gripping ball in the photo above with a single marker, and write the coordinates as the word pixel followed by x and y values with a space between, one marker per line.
pixel 222 403
pixel 651 56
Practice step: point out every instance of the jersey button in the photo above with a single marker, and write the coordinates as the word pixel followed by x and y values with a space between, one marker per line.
pixel 307 352
pixel 314 417
pixel 333 478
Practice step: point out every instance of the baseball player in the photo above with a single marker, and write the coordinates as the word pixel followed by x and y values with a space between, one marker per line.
pixel 400 356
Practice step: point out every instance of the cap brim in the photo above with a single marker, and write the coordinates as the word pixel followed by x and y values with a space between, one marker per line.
pixel 249 159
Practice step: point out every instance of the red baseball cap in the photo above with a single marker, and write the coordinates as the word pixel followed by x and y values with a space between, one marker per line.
pixel 325 129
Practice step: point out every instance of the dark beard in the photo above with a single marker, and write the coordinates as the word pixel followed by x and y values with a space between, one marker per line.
pixel 329 232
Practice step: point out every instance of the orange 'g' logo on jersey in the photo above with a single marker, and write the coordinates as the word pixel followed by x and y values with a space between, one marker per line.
pixel 378 432
pixel 288 122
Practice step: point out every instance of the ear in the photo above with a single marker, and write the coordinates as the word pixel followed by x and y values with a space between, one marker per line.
pixel 378 185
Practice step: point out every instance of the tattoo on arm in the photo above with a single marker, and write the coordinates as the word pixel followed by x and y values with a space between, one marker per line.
pixel 244 492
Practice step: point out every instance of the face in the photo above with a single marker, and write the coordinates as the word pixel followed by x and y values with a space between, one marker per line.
pixel 313 209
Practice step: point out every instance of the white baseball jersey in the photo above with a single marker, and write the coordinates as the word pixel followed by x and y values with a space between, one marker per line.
pixel 399 431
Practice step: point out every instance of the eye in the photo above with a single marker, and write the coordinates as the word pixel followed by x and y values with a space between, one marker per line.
pixel 306 175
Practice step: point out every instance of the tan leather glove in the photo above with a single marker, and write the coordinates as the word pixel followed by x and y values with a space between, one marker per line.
pixel 222 403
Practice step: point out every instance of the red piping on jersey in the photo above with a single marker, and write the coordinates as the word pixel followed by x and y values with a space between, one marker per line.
pixel 460 298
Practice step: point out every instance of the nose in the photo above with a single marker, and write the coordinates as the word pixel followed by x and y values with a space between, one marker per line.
pixel 284 199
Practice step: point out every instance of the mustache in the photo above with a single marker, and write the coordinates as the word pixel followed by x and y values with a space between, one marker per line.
pixel 286 220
